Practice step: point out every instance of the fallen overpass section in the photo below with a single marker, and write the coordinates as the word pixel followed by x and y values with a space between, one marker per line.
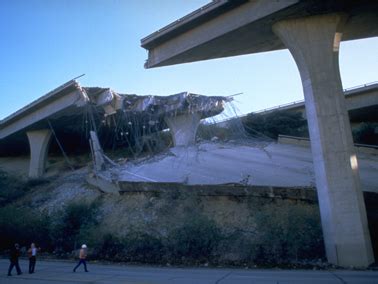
pixel 70 112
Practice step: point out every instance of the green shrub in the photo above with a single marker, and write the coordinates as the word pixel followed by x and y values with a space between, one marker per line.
pixel 23 225
pixel 11 188
pixel 275 123
pixel 107 246
pixel 366 133
pixel 208 131
pixel 287 234
pixel 144 145
pixel 195 241
pixel 70 224
pixel 143 247
pixel 135 246
pixel 229 130
pixel 36 182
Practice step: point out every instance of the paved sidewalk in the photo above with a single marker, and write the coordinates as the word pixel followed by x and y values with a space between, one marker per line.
pixel 60 272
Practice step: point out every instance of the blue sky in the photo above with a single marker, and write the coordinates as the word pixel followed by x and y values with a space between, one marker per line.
pixel 45 43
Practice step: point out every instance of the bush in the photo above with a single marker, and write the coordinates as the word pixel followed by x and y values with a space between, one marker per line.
pixel 136 246
pixel 11 188
pixel 71 224
pixel 106 246
pixel 143 247
pixel 195 241
pixel 366 133
pixel 23 225
pixel 232 129
pixel 288 234
pixel 140 146
pixel 60 232
pixel 112 248
pixel 207 132
pixel 275 123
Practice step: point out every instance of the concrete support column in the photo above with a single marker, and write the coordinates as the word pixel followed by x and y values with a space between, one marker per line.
pixel 183 128
pixel 98 156
pixel 38 142
pixel 314 43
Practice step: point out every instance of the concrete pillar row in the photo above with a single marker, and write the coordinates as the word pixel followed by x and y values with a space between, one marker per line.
pixel 183 128
pixel 314 43
pixel 38 142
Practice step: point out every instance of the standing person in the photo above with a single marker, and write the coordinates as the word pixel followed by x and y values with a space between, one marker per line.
pixel 32 254
pixel 13 257
pixel 82 258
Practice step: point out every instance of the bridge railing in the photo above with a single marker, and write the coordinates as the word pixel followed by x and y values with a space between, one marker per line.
pixel 347 90
pixel 305 141
pixel 302 101
pixel 361 86
pixel 280 106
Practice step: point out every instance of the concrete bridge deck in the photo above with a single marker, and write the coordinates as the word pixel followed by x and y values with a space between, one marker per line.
pixel 361 103
pixel 226 28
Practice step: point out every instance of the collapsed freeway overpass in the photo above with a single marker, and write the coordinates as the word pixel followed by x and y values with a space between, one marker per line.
pixel 312 31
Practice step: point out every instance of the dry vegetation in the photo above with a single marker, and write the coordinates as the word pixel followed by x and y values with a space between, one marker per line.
pixel 176 227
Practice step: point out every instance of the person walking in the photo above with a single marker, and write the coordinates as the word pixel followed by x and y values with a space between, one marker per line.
pixel 13 257
pixel 82 258
pixel 32 254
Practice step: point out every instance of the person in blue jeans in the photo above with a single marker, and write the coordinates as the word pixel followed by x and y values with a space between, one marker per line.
pixel 82 258
pixel 13 257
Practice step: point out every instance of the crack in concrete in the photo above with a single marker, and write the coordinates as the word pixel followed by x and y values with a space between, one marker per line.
pixel 338 277
pixel 223 277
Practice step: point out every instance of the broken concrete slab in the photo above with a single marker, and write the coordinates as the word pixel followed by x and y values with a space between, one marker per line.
pixel 259 164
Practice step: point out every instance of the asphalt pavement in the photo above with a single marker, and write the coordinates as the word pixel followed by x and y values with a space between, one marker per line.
pixel 60 272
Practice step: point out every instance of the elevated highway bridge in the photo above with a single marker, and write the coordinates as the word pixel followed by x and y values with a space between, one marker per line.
pixel 312 31
pixel 361 103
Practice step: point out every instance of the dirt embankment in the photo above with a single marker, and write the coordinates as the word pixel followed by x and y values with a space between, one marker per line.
pixel 175 225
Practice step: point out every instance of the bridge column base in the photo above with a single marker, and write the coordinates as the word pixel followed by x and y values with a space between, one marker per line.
pixel 38 142
pixel 314 43
pixel 183 128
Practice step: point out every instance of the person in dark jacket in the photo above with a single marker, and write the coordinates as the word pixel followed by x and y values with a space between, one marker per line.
pixel 13 257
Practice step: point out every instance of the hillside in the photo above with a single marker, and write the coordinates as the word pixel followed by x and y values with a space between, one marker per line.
pixel 224 210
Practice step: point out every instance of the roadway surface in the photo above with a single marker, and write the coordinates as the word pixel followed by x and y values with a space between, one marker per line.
pixel 60 272
pixel 223 163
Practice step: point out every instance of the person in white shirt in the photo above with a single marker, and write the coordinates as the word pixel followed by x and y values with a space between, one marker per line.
pixel 32 254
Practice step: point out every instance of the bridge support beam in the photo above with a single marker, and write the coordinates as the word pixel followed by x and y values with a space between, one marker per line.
pixel 38 142
pixel 314 43
pixel 183 128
